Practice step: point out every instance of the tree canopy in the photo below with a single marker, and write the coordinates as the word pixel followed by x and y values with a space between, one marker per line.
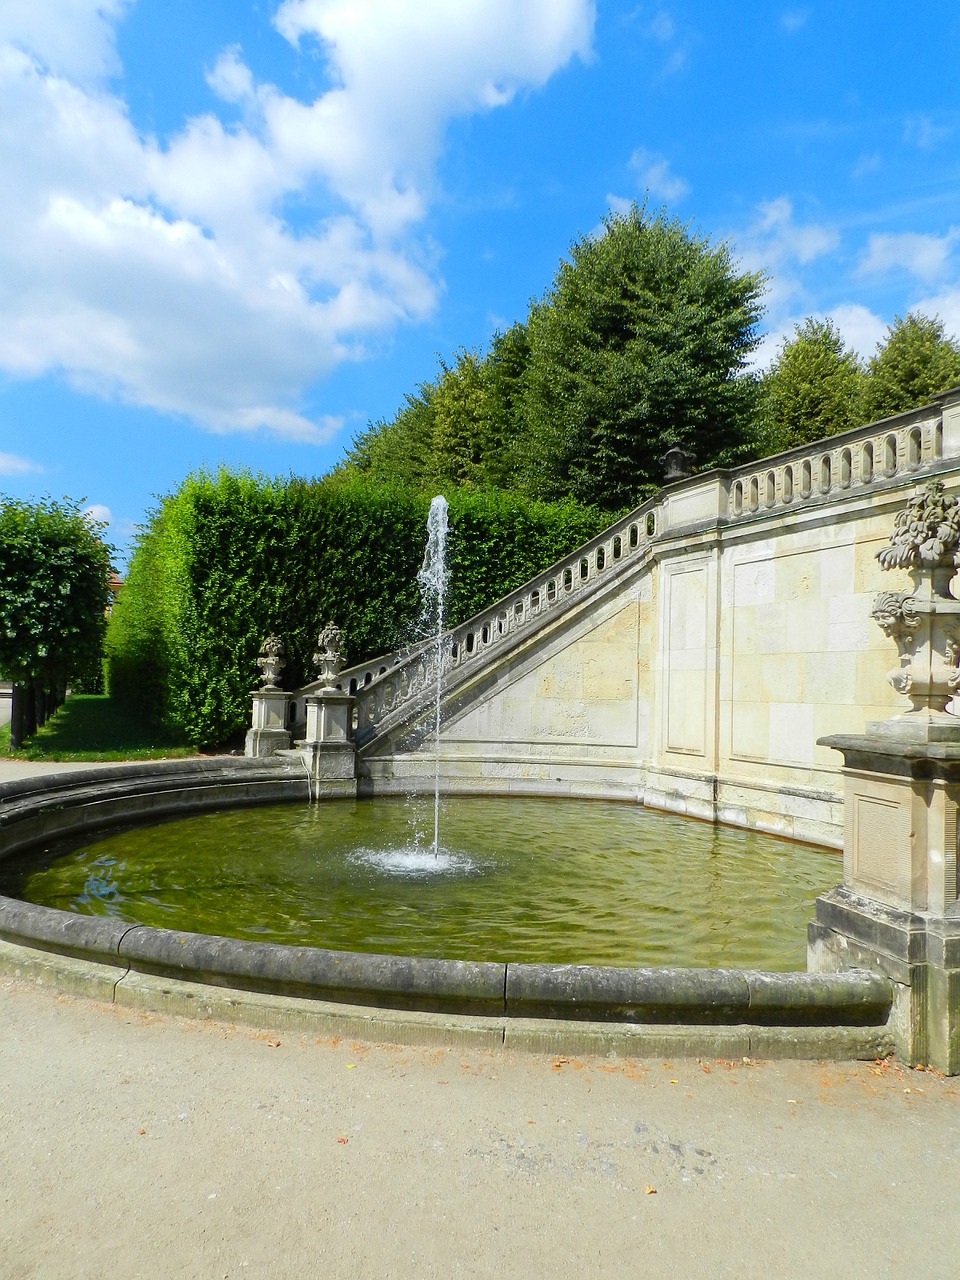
pixel 814 388
pixel 462 428
pixel 642 341
pixel 54 570
pixel 914 362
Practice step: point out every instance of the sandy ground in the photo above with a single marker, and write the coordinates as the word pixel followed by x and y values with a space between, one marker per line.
pixel 145 1146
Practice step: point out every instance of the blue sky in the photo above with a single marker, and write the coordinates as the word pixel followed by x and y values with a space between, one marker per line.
pixel 236 232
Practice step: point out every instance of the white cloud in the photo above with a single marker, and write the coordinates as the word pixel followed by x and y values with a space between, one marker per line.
pixel 923 132
pixel 778 245
pixel 924 256
pixel 662 27
pixel 862 328
pixel 653 174
pixel 867 164
pixel 163 271
pixel 72 38
pixel 97 513
pixel 794 19
pixel 776 234
pixel 11 464
pixel 946 305
pixel 616 204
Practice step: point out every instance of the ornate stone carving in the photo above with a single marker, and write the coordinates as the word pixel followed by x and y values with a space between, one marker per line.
pixel 329 657
pixel 924 622
pixel 272 660
pixel 926 533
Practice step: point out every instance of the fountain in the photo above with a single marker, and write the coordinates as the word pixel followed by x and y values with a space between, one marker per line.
pixel 433 578
pixel 557 991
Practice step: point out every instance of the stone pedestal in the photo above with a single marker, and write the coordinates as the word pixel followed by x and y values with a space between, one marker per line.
pixel 897 912
pixel 269 732
pixel 327 748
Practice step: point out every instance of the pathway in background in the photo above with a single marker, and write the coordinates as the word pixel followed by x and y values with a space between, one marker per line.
pixel 143 1146
pixel 15 770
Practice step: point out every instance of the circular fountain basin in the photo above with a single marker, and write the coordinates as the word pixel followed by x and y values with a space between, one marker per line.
pixel 495 992
pixel 520 879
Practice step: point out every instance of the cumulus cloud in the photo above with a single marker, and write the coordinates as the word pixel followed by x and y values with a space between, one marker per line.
pixel 777 244
pixel 11 464
pixel 924 256
pixel 653 174
pixel 944 304
pixel 862 328
pixel 164 271
pixel 97 513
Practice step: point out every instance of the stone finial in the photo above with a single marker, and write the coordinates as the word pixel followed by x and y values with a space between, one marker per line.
pixel 329 657
pixel 925 622
pixel 271 661
pixel 678 463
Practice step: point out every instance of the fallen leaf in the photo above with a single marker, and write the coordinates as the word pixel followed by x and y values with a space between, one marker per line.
pixel 343 1141
pixel 674 1081
pixel 650 1191
pixel 141 1131
pixel 351 1065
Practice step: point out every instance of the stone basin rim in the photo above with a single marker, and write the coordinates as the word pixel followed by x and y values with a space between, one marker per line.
pixel 38 809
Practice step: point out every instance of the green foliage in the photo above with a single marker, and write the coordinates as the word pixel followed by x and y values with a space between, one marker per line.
pixel 914 362
pixel 461 429
pixel 230 557
pixel 641 342
pixel 814 388
pixel 54 567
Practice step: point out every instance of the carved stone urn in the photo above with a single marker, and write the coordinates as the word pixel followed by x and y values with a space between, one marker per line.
pixel 271 661
pixel 925 622
pixel 329 657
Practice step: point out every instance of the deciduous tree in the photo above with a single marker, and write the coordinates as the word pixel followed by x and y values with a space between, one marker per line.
pixel 914 362
pixel 814 388
pixel 642 341
pixel 54 569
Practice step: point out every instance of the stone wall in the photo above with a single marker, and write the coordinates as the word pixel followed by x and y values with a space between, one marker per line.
pixel 699 674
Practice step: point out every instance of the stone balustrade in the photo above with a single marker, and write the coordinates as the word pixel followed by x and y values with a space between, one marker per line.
pixel 881 453
pixel 381 688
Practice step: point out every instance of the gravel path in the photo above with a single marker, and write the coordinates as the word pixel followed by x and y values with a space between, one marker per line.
pixel 146 1146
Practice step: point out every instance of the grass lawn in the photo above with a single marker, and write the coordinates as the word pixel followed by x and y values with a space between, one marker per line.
pixel 91 727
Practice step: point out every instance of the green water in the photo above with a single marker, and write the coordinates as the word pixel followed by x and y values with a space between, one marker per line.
pixel 520 879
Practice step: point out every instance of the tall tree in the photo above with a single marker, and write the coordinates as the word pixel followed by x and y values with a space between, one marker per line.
pixel 54 569
pixel 642 341
pixel 460 429
pixel 401 449
pixel 814 388
pixel 914 362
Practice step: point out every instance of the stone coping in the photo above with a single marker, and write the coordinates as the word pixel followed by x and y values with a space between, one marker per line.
pixel 34 811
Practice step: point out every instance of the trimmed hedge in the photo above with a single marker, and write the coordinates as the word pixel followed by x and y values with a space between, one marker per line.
pixel 229 557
